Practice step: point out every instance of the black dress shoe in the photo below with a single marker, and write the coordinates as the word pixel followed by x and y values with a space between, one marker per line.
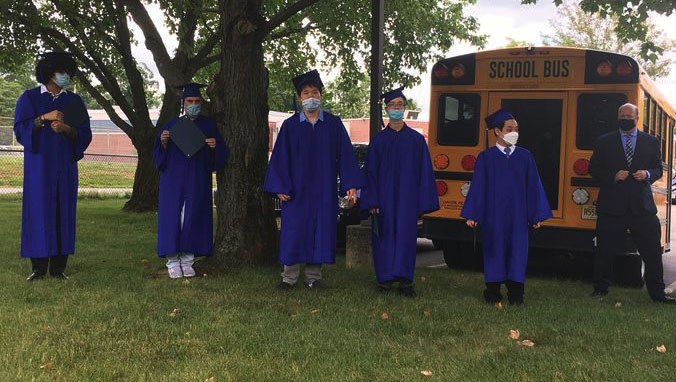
pixel 599 293
pixel 515 300
pixel 317 284
pixel 60 276
pixel 284 286
pixel 385 286
pixel 35 276
pixel 491 296
pixel 666 300
pixel 406 291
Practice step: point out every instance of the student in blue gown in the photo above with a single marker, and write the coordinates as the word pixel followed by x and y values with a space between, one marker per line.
pixel 185 214
pixel 505 198
pixel 311 149
pixel 399 188
pixel 52 149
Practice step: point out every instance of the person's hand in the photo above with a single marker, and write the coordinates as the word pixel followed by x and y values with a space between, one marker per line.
pixel 640 175
pixel 211 142
pixel 60 127
pixel 283 197
pixel 471 223
pixel 53 115
pixel 164 137
pixel 621 175
pixel 537 225
pixel 352 197
pixel 374 211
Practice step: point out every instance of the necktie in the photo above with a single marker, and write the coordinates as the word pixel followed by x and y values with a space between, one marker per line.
pixel 628 151
pixel 507 151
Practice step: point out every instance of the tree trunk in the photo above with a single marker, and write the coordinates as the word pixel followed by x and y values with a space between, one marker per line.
pixel 145 194
pixel 246 230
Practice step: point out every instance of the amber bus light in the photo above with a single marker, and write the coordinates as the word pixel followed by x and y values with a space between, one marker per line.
pixel 458 71
pixel 604 69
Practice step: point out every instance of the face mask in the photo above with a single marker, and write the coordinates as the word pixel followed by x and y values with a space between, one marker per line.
pixel 511 138
pixel 626 124
pixel 61 79
pixel 396 115
pixel 193 110
pixel 311 104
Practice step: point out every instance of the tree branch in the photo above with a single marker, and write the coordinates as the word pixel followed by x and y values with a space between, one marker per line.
pixel 286 13
pixel 291 31
pixel 197 62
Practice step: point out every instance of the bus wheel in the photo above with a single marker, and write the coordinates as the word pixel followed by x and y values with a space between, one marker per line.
pixel 629 270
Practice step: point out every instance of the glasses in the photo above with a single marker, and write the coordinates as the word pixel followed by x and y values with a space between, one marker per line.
pixel 396 105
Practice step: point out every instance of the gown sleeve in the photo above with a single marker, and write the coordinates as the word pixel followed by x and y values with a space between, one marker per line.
pixel 368 197
pixel 24 115
pixel 219 153
pixel 84 134
pixel 348 169
pixel 428 197
pixel 475 203
pixel 159 152
pixel 278 176
pixel 538 207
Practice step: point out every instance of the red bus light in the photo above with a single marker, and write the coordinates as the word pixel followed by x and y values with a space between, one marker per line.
pixel 581 167
pixel 441 161
pixel 604 68
pixel 442 187
pixel 458 71
pixel 441 71
pixel 468 162
pixel 624 68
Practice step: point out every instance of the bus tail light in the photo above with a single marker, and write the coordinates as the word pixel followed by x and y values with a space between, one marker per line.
pixel 604 69
pixel 441 161
pixel 441 72
pixel 442 187
pixel 581 167
pixel 624 68
pixel 468 162
pixel 458 71
pixel 580 196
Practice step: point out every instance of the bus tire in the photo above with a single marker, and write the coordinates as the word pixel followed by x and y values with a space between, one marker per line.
pixel 629 270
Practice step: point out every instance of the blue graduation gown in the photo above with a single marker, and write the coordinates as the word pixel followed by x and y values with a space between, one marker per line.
pixel 400 182
pixel 187 181
pixel 505 197
pixel 304 165
pixel 50 175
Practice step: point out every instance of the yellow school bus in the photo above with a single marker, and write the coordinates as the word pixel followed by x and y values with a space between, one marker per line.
pixel 563 99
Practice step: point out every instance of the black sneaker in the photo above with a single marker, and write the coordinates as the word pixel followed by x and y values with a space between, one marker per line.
pixel 35 276
pixel 385 287
pixel 492 297
pixel 284 286
pixel 317 284
pixel 406 291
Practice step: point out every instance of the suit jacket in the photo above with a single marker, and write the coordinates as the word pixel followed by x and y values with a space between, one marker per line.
pixel 629 195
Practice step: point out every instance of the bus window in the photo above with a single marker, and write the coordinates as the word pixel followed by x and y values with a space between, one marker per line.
pixel 458 119
pixel 596 115
pixel 646 112
pixel 653 119
pixel 663 134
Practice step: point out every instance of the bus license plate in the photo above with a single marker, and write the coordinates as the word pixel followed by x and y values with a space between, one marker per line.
pixel 589 212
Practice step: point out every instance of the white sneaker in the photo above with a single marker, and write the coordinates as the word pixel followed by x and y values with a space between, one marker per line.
pixel 175 273
pixel 188 271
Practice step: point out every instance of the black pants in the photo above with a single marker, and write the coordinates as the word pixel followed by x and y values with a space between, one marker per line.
pixel 646 233
pixel 56 265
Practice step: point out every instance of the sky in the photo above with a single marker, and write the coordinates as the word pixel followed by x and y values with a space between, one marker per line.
pixel 499 19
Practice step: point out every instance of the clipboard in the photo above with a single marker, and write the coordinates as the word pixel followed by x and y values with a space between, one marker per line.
pixel 187 136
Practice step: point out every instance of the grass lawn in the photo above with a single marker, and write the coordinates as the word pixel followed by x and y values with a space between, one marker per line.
pixel 111 322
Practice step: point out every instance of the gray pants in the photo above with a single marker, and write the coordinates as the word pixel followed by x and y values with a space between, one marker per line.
pixel 313 272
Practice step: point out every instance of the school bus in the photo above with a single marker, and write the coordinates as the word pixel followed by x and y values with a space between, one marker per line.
pixel 563 99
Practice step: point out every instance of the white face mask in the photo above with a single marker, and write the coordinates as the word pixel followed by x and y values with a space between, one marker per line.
pixel 511 138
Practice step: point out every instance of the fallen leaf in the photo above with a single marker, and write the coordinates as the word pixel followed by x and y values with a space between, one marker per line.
pixel 427 312
pixel 174 312
pixel 514 334
pixel 426 373
pixel 618 304
pixel 423 279
pixel 186 282
pixel 47 366
pixel 204 275
pixel 210 379
pixel 527 343
pixel 314 311
pixel 384 316
pixel 661 349
pixel 498 306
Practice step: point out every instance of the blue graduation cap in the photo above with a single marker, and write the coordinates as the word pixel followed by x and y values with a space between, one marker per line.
pixel 52 62
pixel 191 89
pixel 392 94
pixel 311 78
pixel 496 119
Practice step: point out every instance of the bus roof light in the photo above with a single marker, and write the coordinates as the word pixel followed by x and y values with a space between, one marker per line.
pixel 441 71
pixel 624 68
pixel 458 71
pixel 442 187
pixel 604 68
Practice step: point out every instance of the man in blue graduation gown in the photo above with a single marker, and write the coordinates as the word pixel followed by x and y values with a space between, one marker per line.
pixel 506 196
pixel 185 214
pixel 399 188
pixel 312 147
pixel 52 148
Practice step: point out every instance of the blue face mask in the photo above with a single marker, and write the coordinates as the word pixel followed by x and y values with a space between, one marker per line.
pixel 193 110
pixel 61 79
pixel 396 115
pixel 311 104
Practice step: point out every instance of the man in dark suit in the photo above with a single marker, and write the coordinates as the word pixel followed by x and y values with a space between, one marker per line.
pixel 625 163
